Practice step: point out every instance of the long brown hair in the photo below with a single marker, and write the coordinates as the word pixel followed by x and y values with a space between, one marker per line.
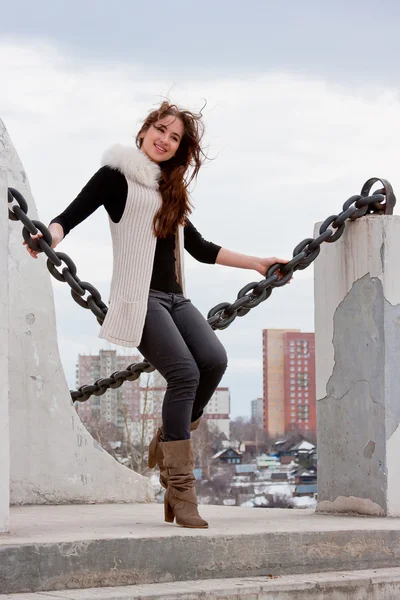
pixel 179 171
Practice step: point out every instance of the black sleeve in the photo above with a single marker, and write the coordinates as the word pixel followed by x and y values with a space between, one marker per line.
pixel 198 247
pixel 108 188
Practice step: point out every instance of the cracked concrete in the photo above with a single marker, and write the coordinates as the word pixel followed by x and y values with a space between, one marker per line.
pixel 53 457
pixel 357 311
pixel 354 402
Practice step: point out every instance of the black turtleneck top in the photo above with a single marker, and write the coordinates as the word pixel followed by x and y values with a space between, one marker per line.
pixel 109 188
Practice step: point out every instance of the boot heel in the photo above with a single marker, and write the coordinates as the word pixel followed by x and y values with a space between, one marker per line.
pixel 169 514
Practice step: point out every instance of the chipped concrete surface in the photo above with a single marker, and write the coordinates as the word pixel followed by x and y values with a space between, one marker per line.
pixel 357 310
pixel 53 457
pixel 63 547
pixel 351 504
pixel 341 585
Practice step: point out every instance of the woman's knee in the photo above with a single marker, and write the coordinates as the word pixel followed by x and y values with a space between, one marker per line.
pixel 185 373
pixel 216 361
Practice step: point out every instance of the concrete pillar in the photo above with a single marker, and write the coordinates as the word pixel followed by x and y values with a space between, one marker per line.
pixel 54 460
pixel 4 393
pixel 357 334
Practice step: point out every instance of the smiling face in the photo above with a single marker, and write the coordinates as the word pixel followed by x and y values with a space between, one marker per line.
pixel 161 140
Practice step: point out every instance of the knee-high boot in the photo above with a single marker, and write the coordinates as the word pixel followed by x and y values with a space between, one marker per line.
pixel 155 457
pixel 180 501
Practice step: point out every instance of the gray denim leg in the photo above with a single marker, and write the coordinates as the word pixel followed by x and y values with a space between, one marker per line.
pixel 181 345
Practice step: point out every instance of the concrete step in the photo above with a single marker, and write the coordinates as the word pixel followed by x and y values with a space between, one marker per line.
pixel 382 584
pixel 92 546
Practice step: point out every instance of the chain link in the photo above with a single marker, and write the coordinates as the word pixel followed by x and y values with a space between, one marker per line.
pixel 55 260
pixel 382 201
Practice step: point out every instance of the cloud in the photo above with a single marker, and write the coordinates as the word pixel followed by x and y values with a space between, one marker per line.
pixel 288 151
pixel 334 41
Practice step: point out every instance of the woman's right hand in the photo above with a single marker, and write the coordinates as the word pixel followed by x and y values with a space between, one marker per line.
pixel 57 234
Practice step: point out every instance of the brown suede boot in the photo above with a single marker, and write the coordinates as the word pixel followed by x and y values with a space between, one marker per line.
pixel 155 457
pixel 195 424
pixel 180 501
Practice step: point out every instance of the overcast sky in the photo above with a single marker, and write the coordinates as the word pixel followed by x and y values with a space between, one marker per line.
pixel 302 108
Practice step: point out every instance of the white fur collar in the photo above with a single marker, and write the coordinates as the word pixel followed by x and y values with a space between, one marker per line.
pixel 133 163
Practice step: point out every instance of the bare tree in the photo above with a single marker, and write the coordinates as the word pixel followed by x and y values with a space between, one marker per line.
pixel 206 442
pixel 134 458
pixel 137 433
pixel 104 433
pixel 245 430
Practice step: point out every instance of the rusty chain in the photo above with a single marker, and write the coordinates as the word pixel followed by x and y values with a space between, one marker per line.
pixel 382 201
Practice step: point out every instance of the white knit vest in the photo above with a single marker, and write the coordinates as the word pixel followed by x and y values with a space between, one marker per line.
pixel 134 245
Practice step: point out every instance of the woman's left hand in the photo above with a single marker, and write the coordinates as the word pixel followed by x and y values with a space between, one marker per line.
pixel 265 263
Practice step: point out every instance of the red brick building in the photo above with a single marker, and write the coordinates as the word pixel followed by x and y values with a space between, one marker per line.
pixel 288 381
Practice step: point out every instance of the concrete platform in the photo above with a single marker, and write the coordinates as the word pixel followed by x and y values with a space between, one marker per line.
pixel 88 546
pixel 346 585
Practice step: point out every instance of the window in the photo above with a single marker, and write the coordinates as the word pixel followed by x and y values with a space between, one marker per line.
pixel 293 421
pixel 306 362
pixel 299 362
pixel 292 362
pixel 292 387
pixel 292 401
pixel 306 427
pixel 291 343
pixel 292 368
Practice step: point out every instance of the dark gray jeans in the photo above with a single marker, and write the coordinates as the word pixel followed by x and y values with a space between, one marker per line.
pixel 181 345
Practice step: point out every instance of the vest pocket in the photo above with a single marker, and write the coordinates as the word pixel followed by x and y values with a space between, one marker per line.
pixel 124 321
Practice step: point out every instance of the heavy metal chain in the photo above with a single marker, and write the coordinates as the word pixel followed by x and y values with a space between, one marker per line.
pixel 381 201
pixel 68 274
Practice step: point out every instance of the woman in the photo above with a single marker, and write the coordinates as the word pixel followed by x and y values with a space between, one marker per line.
pixel 144 191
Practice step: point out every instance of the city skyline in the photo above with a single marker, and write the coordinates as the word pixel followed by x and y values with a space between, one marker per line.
pixel 135 407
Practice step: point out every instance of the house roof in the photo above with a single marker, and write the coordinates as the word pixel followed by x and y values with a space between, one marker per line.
pixel 312 471
pixel 288 446
pixel 303 445
pixel 230 451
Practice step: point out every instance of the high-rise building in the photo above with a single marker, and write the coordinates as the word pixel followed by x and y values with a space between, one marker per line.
pixel 218 410
pixel 257 412
pixel 115 406
pixel 288 381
